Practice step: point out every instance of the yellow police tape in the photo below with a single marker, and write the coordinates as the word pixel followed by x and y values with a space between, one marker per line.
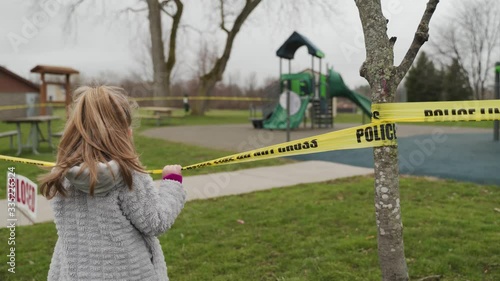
pixel 45 163
pixel 370 135
pixel 437 111
pixel 381 132
pixel 220 98
pixel 22 106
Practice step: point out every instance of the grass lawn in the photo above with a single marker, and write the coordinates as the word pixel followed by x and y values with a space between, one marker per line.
pixel 351 118
pixel 212 117
pixel 323 231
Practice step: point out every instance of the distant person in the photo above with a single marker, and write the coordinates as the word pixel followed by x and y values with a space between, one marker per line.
pixel 185 101
pixel 107 209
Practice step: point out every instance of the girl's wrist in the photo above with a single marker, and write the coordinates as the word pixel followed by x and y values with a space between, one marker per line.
pixel 174 177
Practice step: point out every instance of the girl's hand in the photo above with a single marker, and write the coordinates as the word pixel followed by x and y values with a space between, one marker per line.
pixel 172 169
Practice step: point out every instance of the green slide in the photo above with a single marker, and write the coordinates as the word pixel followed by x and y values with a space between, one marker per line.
pixel 278 121
pixel 302 85
pixel 337 88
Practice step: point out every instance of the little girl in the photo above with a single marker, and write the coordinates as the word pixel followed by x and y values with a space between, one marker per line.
pixel 107 210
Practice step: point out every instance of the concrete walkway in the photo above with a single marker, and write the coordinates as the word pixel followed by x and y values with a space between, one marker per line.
pixel 232 183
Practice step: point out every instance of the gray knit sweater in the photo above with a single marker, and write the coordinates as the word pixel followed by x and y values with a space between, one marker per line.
pixel 112 235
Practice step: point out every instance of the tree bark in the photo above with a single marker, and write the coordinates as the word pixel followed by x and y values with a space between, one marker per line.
pixel 162 71
pixel 172 43
pixel 384 78
pixel 208 81
pixel 157 51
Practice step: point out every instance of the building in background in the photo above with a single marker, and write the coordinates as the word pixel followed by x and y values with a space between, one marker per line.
pixel 17 91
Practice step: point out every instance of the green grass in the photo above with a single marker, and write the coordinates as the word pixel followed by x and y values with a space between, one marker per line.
pixel 323 231
pixel 351 118
pixel 216 117
pixel 212 117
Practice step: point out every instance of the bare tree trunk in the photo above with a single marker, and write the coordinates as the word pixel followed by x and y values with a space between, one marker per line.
pixel 208 81
pixel 162 70
pixel 157 51
pixel 384 77
pixel 172 43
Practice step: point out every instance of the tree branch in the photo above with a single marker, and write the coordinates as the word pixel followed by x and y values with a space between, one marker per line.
pixel 133 10
pixel 173 36
pixel 222 21
pixel 186 26
pixel 421 36
pixel 220 64
pixel 73 7
pixel 163 4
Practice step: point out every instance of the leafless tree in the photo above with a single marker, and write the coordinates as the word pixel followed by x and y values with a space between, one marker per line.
pixel 227 13
pixel 384 77
pixel 231 15
pixel 472 36
pixel 162 69
pixel 206 57
pixel 156 9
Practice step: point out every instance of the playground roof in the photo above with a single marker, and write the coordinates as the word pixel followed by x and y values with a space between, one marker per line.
pixel 295 41
pixel 50 69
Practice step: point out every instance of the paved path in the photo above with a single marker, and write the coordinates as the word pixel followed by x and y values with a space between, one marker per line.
pixel 231 183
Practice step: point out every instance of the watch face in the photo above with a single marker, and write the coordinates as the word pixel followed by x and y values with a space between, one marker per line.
pixel 294 102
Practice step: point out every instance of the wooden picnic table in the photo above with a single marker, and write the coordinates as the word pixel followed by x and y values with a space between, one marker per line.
pixel 158 112
pixel 35 134
pixel 159 109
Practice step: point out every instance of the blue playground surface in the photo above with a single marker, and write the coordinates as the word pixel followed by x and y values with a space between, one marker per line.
pixel 463 157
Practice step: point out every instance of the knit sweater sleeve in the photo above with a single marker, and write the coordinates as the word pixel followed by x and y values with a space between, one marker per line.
pixel 150 209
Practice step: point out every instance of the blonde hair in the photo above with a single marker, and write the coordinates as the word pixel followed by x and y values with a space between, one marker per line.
pixel 97 130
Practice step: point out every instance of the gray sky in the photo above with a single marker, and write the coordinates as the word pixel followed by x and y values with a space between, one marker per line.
pixel 34 35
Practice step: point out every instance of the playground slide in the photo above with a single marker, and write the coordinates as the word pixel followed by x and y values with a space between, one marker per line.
pixel 363 102
pixel 278 120
pixel 337 88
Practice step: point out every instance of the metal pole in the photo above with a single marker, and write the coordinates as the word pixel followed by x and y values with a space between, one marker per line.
pixel 279 78
pixel 313 75
pixel 288 103
pixel 318 85
pixel 496 125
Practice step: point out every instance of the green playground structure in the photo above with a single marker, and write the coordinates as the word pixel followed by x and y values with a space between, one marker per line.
pixel 306 90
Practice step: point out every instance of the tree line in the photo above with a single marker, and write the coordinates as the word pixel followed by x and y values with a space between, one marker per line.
pixel 465 47
pixel 426 82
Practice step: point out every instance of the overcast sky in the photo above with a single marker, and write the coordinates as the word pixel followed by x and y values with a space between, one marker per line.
pixel 102 41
